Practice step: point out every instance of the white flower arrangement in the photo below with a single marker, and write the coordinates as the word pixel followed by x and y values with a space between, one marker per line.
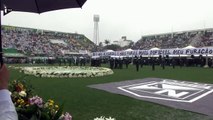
pixel 104 118
pixel 66 71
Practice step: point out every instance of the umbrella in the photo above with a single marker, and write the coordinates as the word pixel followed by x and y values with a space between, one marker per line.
pixel 36 6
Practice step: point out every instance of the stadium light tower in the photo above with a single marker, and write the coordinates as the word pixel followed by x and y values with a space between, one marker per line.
pixel 96 19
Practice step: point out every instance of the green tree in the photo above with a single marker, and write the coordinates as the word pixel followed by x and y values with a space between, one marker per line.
pixel 113 47
pixel 100 44
pixel 107 42
pixel 131 44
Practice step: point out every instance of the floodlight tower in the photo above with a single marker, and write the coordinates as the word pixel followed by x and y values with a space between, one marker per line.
pixel 96 19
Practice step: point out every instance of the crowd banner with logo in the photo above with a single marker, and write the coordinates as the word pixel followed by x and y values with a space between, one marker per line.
pixel 179 51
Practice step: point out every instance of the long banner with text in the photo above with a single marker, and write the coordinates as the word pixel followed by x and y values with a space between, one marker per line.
pixel 175 52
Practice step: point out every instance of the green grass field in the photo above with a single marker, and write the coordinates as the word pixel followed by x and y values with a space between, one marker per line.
pixel 86 103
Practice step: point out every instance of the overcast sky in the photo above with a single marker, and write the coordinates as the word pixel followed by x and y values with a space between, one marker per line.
pixel 131 18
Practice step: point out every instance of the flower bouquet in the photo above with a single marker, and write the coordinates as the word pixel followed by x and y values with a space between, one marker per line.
pixel 31 107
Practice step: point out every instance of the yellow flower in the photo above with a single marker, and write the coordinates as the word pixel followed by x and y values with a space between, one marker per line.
pixel 51 101
pixel 50 104
pixel 14 81
pixel 21 85
pixel 56 107
pixel 20 102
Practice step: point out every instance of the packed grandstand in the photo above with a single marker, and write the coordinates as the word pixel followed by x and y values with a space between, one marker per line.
pixel 196 38
pixel 36 42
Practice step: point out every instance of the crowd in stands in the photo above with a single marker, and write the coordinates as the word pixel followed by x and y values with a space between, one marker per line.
pixel 198 38
pixel 38 42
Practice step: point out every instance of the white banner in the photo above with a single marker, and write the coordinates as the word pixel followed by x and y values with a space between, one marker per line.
pixel 192 51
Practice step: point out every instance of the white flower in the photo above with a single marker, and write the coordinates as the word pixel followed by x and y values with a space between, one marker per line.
pixel 63 71
pixel 65 116
pixel 22 94
pixel 110 118
pixel 101 118
pixel 104 118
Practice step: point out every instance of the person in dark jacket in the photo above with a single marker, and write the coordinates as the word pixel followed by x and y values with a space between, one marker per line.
pixel 136 62
pixel 141 61
pixel 111 62
pixel 120 61
pixel 153 63
pixel 163 63
pixel 173 63
pixel 126 61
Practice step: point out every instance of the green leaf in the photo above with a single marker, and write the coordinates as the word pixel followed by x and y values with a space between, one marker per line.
pixel 59 113
pixel 32 109
pixel 34 118
pixel 27 112
pixel 39 114
pixel 45 116
pixel 22 117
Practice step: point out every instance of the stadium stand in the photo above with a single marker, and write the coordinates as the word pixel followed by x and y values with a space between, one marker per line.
pixel 196 38
pixel 35 42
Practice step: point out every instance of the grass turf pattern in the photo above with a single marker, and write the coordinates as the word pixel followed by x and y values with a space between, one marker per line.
pixel 86 103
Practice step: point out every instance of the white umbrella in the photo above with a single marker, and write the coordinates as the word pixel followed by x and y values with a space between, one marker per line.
pixel 189 47
pixel 129 50
pixel 155 48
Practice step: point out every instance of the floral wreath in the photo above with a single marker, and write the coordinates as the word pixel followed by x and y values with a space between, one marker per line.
pixel 66 71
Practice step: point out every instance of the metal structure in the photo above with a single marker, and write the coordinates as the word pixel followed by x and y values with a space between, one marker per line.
pixel 96 19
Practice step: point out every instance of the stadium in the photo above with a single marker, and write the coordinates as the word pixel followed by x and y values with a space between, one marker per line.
pixel 56 75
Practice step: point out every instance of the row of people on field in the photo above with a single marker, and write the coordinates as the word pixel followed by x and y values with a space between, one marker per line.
pixel 119 63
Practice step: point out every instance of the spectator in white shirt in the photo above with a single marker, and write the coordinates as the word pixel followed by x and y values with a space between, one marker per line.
pixel 7 109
